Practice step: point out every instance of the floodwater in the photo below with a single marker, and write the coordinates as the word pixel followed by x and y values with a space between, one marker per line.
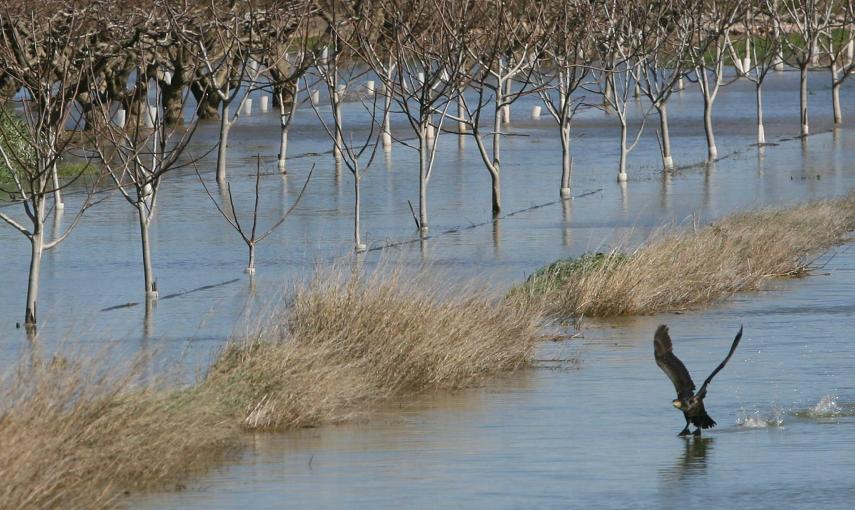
pixel 594 432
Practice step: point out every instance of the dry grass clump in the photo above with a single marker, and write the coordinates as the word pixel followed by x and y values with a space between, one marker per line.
pixel 351 342
pixel 75 436
pixel 677 269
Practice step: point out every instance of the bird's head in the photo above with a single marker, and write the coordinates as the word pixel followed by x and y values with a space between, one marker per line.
pixel 677 403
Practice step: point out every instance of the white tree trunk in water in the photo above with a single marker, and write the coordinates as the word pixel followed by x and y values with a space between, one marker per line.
pixel 506 109
pixel 357 238
pixel 622 177
pixel 803 98
pixel 461 111
pixel 36 252
pixel 387 90
pixel 339 141
pixel 712 150
pixel 148 271
pixel 497 148
pixel 424 155
pixel 57 194
pixel 667 160
pixel 566 160
pixel 250 266
pixel 225 126
pixel 835 94
pixel 761 131
pixel 283 147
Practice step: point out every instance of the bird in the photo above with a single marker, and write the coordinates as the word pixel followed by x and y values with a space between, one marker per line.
pixel 691 403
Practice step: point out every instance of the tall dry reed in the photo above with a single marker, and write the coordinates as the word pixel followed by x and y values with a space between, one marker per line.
pixel 349 343
pixel 679 268
pixel 81 434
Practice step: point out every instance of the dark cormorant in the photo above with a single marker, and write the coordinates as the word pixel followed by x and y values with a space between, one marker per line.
pixel 687 401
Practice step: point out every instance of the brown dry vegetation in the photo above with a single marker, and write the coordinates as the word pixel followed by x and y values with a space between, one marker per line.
pixel 679 268
pixel 77 435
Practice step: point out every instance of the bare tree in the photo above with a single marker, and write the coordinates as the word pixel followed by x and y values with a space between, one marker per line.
pixel 423 58
pixel 138 154
pixel 708 32
pixel 224 48
pixel 759 55
pixel 804 21
pixel 562 69
pixel 619 46
pixel 357 156
pixel 229 212
pixel 836 44
pixel 42 49
pixel 661 64
pixel 500 46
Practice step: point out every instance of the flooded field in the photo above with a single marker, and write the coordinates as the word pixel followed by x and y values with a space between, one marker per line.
pixel 597 431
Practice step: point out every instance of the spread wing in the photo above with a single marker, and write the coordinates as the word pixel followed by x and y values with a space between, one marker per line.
pixel 671 364
pixel 736 340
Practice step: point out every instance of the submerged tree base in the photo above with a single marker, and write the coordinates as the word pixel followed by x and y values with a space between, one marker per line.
pixel 678 268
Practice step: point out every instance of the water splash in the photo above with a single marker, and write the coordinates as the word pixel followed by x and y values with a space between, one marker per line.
pixel 826 407
pixel 757 420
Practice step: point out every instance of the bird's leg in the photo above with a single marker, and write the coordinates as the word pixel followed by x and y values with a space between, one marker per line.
pixel 685 431
pixel 697 432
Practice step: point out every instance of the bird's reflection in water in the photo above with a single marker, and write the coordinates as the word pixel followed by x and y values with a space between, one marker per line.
pixel 693 461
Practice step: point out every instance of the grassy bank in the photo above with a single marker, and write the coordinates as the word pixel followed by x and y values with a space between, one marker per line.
pixel 81 435
pixel 679 268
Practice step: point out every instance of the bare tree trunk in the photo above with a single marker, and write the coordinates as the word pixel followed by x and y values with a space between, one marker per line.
pixel 712 150
pixel 497 137
pixel 283 146
pixel 36 252
pixel 357 238
pixel 148 272
pixel 835 95
pixel 461 111
pixel 387 107
pixel 250 266
pixel 803 99
pixel 761 131
pixel 667 160
pixel 225 126
pixel 506 109
pixel 208 102
pixel 339 142
pixel 172 102
pixel 57 194
pixel 423 169
pixel 566 160
pixel 622 177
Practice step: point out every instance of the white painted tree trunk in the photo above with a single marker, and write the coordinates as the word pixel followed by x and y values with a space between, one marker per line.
pixel 461 112
pixel 57 194
pixel 497 151
pixel 36 252
pixel 712 150
pixel 835 94
pixel 667 160
pixel 424 155
pixel 283 147
pixel 761 131
pixel 358 245
pixel 250 266
pixel 339 141
pixel 148 271
pixel 225 127
pixel 622 177
pixel 803 99
pixel 506 109
pixel 566 160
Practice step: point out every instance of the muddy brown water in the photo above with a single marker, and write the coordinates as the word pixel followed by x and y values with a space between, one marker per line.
pixel 599 433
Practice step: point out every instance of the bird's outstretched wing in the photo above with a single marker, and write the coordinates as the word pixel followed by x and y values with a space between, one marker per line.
pixel 671 364
pixel 736 340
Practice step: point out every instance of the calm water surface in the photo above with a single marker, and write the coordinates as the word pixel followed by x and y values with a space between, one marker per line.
pixel 599 433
